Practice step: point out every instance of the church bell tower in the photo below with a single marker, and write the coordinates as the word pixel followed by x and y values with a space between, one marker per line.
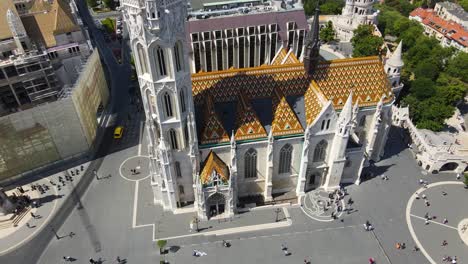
pixel 158 43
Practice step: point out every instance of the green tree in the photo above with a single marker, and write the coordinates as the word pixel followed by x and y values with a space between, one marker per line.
pixel 108 3
pixel 427 69
pixel 91 3
pixel 332 7
pixel 451 89
pixel 327 33
pixel 423 88
pixel 464 4
pixel 466 177
pixel 365 43
pixel 161 244
pixel 458 66
pixel 309 7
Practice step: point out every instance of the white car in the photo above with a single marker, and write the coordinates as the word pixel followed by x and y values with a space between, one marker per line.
pixel 118 31
pixel 119 23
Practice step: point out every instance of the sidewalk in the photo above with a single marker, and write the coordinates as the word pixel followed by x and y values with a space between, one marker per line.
pixel 52 199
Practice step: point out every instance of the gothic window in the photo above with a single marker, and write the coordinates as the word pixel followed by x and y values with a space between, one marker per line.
pixel 323 125
pixel 177 170
pixel 273 46
pixel 388 70
pixel 182 100
pixel 262 49
pixel 173 139
pixel 252 51
pixel 219 55
pixel 208 56
pixel 285 159
pixel 196 54
pixel 142 59
pixel 362 121
pixel 241 52
pixel 186 135
pixel 328 123
pixel 181 189
pixel 251 163
pixel 320 151
pixel 178 56
pixel 300 43
pixel 312 179
pixel 168 105
pixel 161 61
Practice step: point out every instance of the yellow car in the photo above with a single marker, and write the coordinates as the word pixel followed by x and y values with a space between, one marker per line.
pixel 118 132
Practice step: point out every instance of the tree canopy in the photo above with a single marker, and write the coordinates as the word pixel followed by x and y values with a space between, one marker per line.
pixel 365 43
pixel 435 77
pixel 330 7
pixel 327 33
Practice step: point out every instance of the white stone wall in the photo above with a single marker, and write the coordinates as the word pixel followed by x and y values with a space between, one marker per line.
pixel 251 186
pixel 286 182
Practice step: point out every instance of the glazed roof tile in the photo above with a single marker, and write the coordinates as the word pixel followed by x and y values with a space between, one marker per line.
pixel 312 102
pixel 213 131
pixel 247 122
pixel 285 121
pixel 213 162
pixel 279 57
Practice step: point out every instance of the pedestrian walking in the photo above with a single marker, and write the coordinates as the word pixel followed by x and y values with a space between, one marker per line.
pixel 424 196
pixel 445 221
pixel 415 249
pixel 67 258
pixel 284 247
pixel 421 181
pixel 458 176
pixel 426 215
pixel 427 203
pixel 426 221
pixel 350 201
pixel 444 243
pixel 92 261
pixel 27 224
pixel 118 260
pixel 33 215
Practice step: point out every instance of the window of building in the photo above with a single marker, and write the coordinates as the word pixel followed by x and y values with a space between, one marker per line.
pixel 168 104
pixel 10 71
pixel 362 121
pixel 285 159
pixel 312 179
pixel 173 139
pixel 328 123
pixel 208 56
pixel 252 51
pixel 196 54
pixel 194 37
pixel 181 189
pixel 217 34
pixel 206 36
pixel 230 55
pixel 262 49
pixel 178 172
pixel 161 61
pixel 323 125
pixel 241 52
pixel 290 39
pixel 178 56
pixel 273 46
pixel 320 151
pixel 182 100
pixel 142 58
pixel 300 43
pixel 219 54
pixel 240 31
pixel 250 163
pixel 186 135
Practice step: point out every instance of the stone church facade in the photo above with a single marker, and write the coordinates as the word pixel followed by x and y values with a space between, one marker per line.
pixel 288 127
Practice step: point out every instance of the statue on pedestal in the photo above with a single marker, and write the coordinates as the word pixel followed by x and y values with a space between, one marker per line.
pixel 6 205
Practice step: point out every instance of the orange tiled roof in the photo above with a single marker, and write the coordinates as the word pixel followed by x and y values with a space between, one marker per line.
pixel 213 162
pixel 290 58
pixel 448 28
pixel 285 120
pixel 312 103
pixel 279 57
pixel 213 131
pixel 332 80
pixel 247 122
pixel 365 76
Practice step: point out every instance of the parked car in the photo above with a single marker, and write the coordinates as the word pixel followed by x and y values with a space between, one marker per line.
pixel 118 31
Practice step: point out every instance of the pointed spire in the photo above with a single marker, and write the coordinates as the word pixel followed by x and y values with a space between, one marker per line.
pixel 311 56
pixel 395 60
pixel 347 111
pixel 233 140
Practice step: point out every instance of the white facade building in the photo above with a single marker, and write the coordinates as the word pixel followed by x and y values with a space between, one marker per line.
pixel 452 11
pixel 218 138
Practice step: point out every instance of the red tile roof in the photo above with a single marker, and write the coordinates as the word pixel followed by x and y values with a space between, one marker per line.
pixel 448 28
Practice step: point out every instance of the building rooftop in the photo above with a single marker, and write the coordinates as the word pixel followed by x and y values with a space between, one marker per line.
pixel 455 10
pixel 449 29
pixel 5 32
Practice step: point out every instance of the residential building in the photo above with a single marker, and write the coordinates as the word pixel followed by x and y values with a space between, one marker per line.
pixel 452 11
pixel 448 32
pixel 218 138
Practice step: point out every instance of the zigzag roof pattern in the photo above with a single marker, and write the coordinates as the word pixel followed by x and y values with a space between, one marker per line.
pixel 213 162
pixel 213 131
pixel 332 80
pixel 279 57
pixel 247 122
pixel 285 121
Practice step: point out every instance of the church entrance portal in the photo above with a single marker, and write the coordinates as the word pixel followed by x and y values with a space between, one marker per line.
pixel 215 204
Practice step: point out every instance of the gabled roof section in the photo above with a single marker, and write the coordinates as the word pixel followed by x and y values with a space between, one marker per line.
pixel 213 162
pixel 279 57
pixel 290 58
pixel 247 122
pixel 365 76
pixel 285 121
pixel 312 102
pixel 64 21
pixel 213 130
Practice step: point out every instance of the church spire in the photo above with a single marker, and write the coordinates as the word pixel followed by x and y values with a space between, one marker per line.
pixel 312 48
pixel 395 60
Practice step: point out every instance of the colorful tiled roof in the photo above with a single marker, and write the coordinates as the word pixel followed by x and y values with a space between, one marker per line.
pixel 279 57
pixel 213 162
pixel 312 103
pixel 285 120
pixel 365 76
pixel 247 122
pixel 448 28
pixel 290 58
pixel 213 131
pixel 332 80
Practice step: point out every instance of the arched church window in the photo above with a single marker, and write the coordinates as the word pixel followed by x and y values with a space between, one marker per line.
pixel 186 136
pixel 168 104
pixel 181 189
pixel 182 100
pixel 161 61
pixel 328 123
pixel 177 169
pixel 178 55
pixel 142 59
pixel 250 163
pixel 388 70
pixel 320 151
pixel 323 125
pixel 173 139
pixel 285 159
